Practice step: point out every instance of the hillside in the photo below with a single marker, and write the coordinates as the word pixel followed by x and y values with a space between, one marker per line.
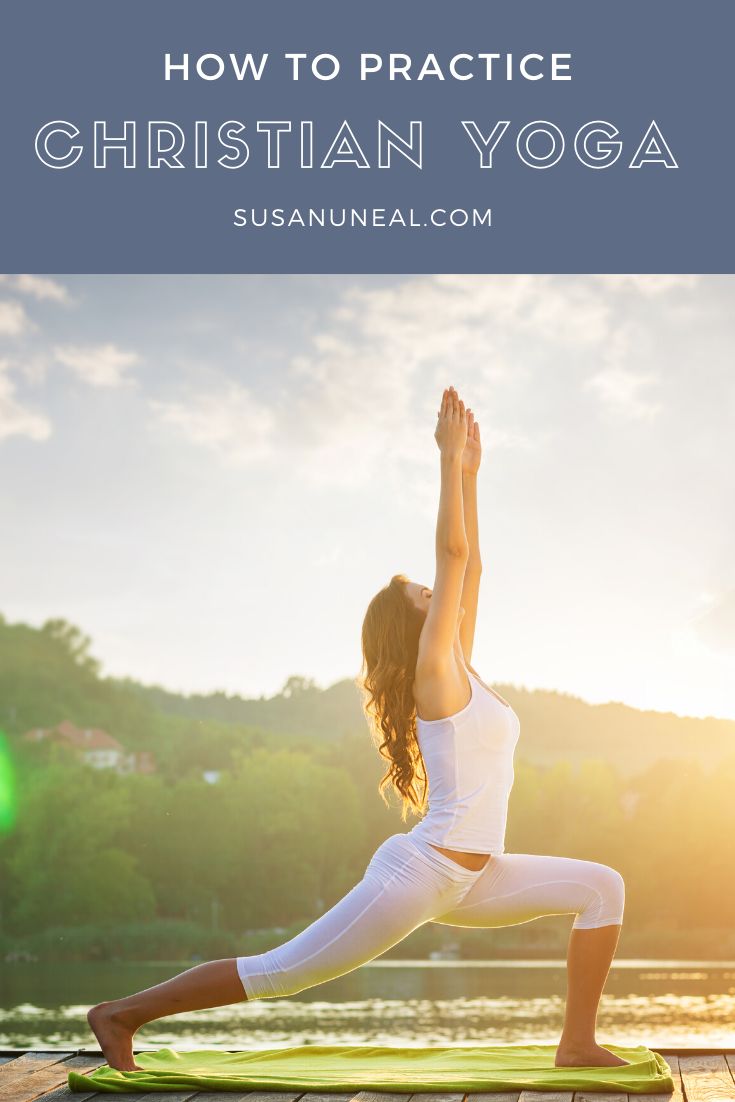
pixel 554 725
pixel 268 809
pixel 49 674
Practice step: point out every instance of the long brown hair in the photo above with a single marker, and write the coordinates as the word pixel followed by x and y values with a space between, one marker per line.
pixel 390 643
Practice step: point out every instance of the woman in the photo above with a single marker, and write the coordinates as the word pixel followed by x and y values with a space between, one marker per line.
pixel 449 741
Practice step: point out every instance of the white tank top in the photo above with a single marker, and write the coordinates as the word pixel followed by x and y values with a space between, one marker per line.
pixel 469 767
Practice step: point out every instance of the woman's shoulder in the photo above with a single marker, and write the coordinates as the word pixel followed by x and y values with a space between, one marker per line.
pixel 441 692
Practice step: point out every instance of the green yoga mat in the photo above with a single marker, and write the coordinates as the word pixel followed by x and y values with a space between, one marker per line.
pixel 364 1067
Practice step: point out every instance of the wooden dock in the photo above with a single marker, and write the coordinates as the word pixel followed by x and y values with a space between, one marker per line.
pixel 700 1075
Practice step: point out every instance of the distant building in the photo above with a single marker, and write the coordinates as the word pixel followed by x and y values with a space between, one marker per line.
pixel 95 747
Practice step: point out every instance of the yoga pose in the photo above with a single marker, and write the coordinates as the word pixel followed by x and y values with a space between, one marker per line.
pixel 448 739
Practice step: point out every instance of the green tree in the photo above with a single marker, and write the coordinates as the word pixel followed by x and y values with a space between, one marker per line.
pixel 65 865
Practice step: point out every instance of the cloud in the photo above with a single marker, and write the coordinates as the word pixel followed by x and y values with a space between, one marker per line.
pixel 563 310
pixel 102 365
pixel 369 382
pixel 649 285
pixel 15 418
pixel 40 287
pixel 365 385
pixel 34 367
pixel 383 354
pixel 622 390
pixel 227 421
pixel 13 319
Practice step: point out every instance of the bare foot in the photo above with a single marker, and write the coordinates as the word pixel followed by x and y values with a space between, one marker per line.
pixel 593 1056
pixel 115 1038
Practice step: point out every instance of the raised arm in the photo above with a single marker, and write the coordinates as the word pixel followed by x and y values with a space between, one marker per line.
pixel 470 465
pixel 436 645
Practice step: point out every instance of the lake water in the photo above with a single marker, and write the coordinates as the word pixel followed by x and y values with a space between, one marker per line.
pixel 664 1003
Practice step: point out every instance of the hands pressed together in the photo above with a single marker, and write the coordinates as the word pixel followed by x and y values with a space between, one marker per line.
pixel 457 432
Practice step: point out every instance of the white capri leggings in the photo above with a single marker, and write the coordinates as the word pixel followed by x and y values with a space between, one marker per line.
pixel 408 883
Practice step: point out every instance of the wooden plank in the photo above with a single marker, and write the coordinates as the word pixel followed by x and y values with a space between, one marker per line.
pixel 150 1096
pixel 436 1096
pixel 63 1094
pixel 600 1096
pixel 32 1086
pixel 29 1061
pixel 495 1096
pixel 545 1096
pixel 328 1097
pixel 172 1096
pixel 232 1096
pixel 706 1079
pixel 693 1051
pixel 251 1096
pixel 380 1096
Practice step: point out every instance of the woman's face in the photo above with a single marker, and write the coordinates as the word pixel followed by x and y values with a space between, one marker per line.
pixel 421 597
pixel 419 594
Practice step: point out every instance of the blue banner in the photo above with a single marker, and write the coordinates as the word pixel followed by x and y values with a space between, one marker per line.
pixel 231 136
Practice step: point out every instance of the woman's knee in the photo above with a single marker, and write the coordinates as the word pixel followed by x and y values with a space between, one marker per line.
pixel 606 901
pixel 264 976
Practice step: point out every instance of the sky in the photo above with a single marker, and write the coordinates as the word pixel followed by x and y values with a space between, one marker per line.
pixel 212 475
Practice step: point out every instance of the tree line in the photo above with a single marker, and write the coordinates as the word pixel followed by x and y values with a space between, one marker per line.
pixel 94 858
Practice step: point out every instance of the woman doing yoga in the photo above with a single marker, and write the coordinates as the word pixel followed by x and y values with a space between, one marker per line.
pixel 449 741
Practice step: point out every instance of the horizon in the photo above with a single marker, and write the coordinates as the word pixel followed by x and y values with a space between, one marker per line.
pixel 212 475
pixel 320 687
